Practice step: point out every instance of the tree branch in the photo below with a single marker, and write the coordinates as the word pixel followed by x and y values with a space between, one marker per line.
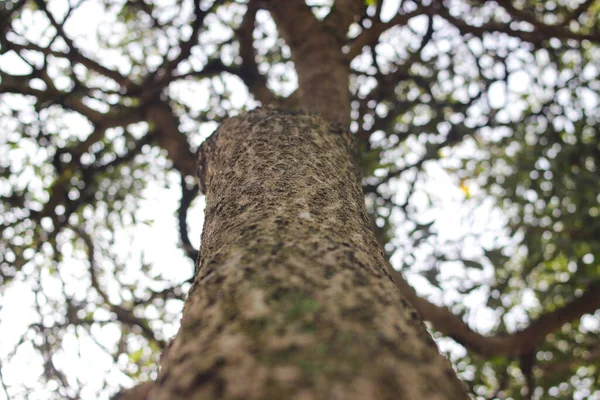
pixel 370 37
pixel 321 66
pixel 163 74
pixel 559 31
pixel 169 137
pixel 20 85
pixel 125 316
pixel 75 54
pixel 343 14
pixel 518 343
pixel 187 196
pixel 248 70
pixel 537 37
pixel 74 58
pixel 256 83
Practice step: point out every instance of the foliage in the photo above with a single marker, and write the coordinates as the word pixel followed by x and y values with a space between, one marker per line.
pixel 478 126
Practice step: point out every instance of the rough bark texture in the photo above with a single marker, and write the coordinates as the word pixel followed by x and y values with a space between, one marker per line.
pixel 292 299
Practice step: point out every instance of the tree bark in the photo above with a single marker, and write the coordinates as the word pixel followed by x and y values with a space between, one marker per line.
pixel 323 70
pixel 292 298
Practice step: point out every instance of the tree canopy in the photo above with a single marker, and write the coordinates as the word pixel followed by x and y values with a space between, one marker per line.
pixel 478 125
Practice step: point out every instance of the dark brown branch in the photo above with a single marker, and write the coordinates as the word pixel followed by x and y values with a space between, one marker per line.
pixel 169 137
pixel 558 31
pixel 187 196
pixel 537 37
pixel 75 54
pixel 212 68
pixel 20 85
pixel 256 83
pixel 322 69
pixel 526 363
pixel 343 14
pixel 74 58
pixel 248 71
pixel 163 74
pixel 370 37
pixel 5 19
pixel 515 344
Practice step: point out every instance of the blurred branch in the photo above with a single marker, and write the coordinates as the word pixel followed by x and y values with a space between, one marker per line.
pixel 58 191
pixel 160 78
pixel 256 83
pixel 171 292
pixel 538 36
pixel 385 91
pixel 342 15
pixel 456 134
pixel 212 68
pixel 370 37
pixel 558 367
pixel 559 31
pixel 74 57
pixel 19 84
pixel 248 71
pixel 583 7
pixel 526 362
pixel 5 16
pixel 45 347
pixel 3 383
pixel 187 196
pixel 74 53
pixel 170 138
pixel 312 43
pixel 140 391
pixel 123 315
pixel 514 344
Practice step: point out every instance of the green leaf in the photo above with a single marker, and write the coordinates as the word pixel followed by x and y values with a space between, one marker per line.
pixel 136 355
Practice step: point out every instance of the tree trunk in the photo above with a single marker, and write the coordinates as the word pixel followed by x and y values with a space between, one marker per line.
pixel 292 299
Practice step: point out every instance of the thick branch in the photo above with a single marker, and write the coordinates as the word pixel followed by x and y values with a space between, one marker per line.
pixel 20 85
pixel 256 83
pixel 170 139
pixel 518 343
pixel 322 69
pixel 343 14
